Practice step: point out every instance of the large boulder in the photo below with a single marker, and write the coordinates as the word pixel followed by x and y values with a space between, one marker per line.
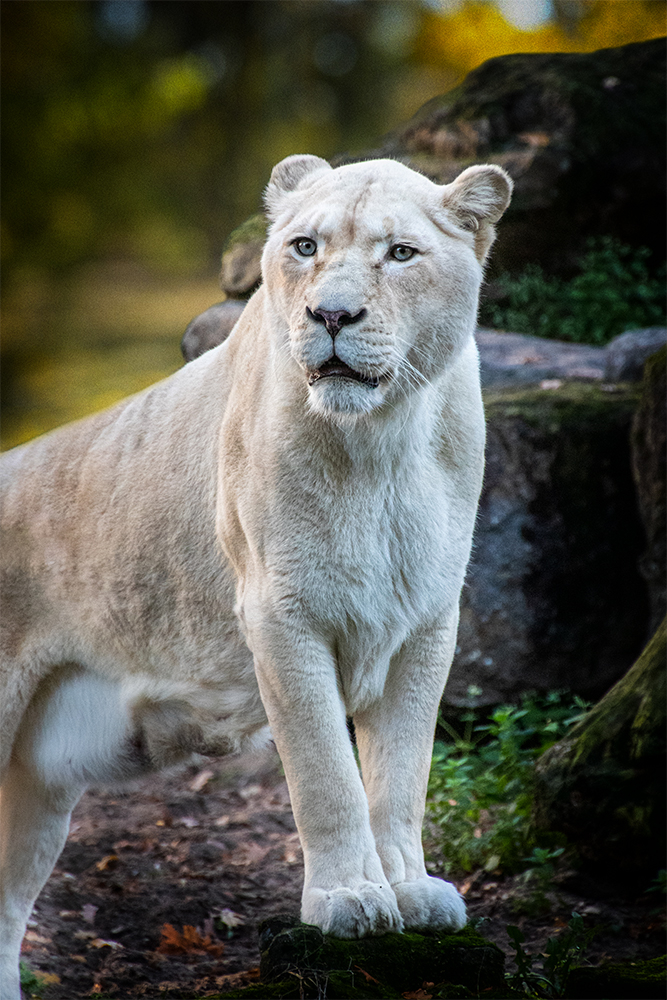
pixel 581 134
pixel 554 597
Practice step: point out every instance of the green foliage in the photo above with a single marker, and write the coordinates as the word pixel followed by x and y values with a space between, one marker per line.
pixel 481 784
pixel 34 984
pixel 659 883
pixel 615 290
pixel 561 952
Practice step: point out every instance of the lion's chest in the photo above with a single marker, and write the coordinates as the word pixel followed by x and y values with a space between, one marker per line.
pixel 362 569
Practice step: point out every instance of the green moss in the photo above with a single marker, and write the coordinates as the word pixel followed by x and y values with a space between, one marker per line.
pixel 574 403
pixel 641 980
pixel 654 368
pixel 333 986
pixel 604 784
pixel 252 229
pixel 628 723
pixel 381 966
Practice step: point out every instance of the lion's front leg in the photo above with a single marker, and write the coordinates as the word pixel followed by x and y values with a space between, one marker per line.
pixel 345 891
pixel 395 740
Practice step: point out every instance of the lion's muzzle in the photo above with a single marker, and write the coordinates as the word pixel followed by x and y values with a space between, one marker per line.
pixel 335 367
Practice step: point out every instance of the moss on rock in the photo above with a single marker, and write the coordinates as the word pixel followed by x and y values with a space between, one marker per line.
pixel 299 961
pixel 641 980
pixel 240 270
pixel 554 595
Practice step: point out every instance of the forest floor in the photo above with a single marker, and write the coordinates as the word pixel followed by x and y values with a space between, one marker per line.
pixel 214 849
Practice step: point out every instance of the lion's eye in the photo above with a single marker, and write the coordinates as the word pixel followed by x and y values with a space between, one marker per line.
pixel 402 252
pixel 305 247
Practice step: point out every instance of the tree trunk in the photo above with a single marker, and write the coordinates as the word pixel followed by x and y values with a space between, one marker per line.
pixel 604 785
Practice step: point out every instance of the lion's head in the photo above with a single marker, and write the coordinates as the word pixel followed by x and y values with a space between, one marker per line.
pixel 373 272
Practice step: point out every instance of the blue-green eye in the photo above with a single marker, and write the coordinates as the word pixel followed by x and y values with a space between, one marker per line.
pixel 402 252
pixel 305 247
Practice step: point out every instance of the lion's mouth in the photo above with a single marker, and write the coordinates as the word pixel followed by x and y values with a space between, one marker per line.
pixel 335 367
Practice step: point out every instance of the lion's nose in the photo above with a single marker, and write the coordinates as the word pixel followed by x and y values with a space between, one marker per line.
pixel 334 320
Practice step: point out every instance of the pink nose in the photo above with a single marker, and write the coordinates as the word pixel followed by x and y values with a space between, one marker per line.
pixel 335 320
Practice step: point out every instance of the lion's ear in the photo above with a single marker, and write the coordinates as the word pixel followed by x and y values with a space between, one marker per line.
pixel 287 176
pixel 479 194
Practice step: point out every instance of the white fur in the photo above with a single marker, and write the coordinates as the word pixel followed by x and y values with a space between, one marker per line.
pixel 236 544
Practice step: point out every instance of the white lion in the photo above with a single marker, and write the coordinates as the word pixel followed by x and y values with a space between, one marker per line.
pixel 277 532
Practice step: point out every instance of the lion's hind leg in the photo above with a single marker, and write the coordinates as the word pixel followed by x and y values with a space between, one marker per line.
pixel 76 730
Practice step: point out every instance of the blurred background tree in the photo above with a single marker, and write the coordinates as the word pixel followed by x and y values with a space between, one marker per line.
pixel 138 133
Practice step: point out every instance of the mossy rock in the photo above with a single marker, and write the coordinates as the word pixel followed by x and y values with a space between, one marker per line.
pixel 604 785
pixel 299 961
pixel 581 133
pixel 562 124
pixel 240 268
pixel 641 980
pixel 554 596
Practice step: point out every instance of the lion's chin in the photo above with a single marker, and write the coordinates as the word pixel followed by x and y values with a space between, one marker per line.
pixel 343 398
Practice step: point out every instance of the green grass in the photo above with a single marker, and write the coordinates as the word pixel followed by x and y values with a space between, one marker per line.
pixel 616 289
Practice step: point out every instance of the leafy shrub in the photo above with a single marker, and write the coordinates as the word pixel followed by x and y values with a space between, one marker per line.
pixel 561 953
pixel 615 290
pixel 481 783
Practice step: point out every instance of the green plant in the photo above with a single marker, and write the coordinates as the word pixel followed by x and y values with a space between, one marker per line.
pixel 480 788
pixel 561 952
pixel 616 289
pixel 34 984
pixel 659 883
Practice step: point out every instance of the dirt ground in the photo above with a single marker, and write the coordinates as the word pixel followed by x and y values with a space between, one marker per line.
pixel 162 885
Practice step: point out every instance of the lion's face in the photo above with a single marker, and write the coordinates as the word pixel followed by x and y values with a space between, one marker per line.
pixel 373 272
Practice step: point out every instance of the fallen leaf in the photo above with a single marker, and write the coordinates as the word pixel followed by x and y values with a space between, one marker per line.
pixel 221 821
pixel 417 995
pixel 229 918
pixel 187 942
pixel 107 863
pixel 69 914
pixel 88 913
pixel 250 792
pixel 247 854
pixel 367 975
pixel 188 821
pixel 238 979
pixel 202 779
pixel 101 943
pixel 36 938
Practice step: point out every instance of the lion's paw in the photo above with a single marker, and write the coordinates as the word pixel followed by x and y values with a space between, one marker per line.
pixel 430 904
pixel 368 910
